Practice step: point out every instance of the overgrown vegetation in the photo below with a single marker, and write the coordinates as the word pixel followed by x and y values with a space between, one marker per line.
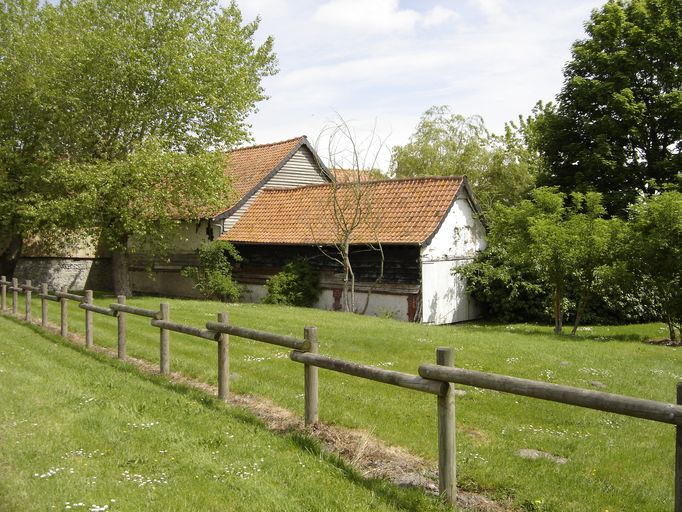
pixel 297 284
pixel 542 252
pixel 213 276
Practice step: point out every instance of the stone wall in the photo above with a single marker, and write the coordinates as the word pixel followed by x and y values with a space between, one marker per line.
pixel 75 273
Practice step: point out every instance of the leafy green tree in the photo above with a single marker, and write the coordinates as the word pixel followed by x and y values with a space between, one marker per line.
pixel 656 223
pixel 213 276
pixel 542 248
pixel 500 168
pixel 90 82
pixel 618 121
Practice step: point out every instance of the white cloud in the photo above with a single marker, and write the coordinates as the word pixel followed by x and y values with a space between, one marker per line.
pixel 376 16
pixel 437 16
pixel 389 61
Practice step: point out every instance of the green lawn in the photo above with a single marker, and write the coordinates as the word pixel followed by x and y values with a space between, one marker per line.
pixel 614 462
pixel 83 432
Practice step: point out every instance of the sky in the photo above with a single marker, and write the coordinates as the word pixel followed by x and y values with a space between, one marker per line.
pixel 379 64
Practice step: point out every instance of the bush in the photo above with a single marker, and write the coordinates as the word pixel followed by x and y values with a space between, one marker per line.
pixel 506 293
pixel 213 277
pixel 297 284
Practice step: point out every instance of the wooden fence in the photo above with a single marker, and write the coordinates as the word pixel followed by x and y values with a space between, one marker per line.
pixel 436 379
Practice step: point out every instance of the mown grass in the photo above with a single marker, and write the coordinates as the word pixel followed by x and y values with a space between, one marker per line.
pixel 614 462
pixel 83 432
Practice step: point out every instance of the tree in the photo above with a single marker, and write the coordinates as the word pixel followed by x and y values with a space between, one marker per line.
pixel 543 248
pixel 656 223
pixel 213 276
pixel 500 168
pixel 618 120
pixel 349 205
pixel 87 83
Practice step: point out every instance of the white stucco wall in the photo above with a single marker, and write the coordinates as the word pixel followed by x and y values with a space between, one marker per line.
pixel 380 304
pixel 455 243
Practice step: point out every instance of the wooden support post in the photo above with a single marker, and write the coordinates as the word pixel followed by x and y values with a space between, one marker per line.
pixel 164 362
pixel 27 316
pixel 15 295
pixel 223 361
pixel 121 329
pixel 43 305
pixel 3 293
pixel 311 380
pixel 447 454
pixel 678 456
pixel 63 302
pixel 88 320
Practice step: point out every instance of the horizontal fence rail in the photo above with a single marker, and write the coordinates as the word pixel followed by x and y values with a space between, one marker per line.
pixel 403 380
pixel 97 309
pixel 266 337
pixel 69 296
pixel 135 310
pixel 608 402
pixel 436 379
pixel 186 329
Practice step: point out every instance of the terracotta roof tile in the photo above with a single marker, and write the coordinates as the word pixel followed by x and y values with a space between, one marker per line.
pixel 247 167
pixel 352 175
pixel 393 212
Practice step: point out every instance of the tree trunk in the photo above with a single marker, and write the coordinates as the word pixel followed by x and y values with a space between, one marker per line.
pixel 671 329
pixel 582 304
pixel 9 258
pixel 119 262
pixel 558 325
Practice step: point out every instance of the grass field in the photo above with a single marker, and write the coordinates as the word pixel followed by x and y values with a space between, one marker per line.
pixel 83 432
pixel 614 463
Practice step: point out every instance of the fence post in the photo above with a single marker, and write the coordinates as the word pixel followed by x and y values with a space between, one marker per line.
pixel 223 360
pixel 447 454
pixel 678 456
pixel 64 313
pixel 164 362
pixel 121 329
pixel 3 293
pixel 15 295
pixel 43 305
pixel 311 379
pixel 88 320
pixel 28 294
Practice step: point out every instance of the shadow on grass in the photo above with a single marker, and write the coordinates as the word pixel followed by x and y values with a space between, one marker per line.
pixel 543 331
pixel 407 499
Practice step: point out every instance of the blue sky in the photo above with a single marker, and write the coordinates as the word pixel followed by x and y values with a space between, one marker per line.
pixel 384 62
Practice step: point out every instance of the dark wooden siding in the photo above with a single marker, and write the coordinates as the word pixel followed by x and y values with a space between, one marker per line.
pixel 401 262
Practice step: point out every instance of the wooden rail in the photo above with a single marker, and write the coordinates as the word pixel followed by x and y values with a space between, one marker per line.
pixel 436 379
pixel 608 402
pixel 403 380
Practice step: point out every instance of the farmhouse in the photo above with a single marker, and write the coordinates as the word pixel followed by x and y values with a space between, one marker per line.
pixel 284 207
pixel 418 230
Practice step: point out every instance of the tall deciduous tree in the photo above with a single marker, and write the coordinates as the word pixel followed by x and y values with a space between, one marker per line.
pixel 618 120
pixel 87 83
pixel 656 223
pixel 543 247
pixel 500 168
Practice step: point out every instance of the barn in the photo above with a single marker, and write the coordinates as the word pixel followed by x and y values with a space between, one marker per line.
pixel 418 230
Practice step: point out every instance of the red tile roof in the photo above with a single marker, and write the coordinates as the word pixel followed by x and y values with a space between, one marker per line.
pixel 354 175
pixel 247 167
pixel 404 211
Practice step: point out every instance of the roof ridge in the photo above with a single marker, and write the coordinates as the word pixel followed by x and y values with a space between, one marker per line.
pixel 268 144
pixel 368 182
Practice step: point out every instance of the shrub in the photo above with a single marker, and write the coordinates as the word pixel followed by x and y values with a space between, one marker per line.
pixel 297 284
pixel 213 277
